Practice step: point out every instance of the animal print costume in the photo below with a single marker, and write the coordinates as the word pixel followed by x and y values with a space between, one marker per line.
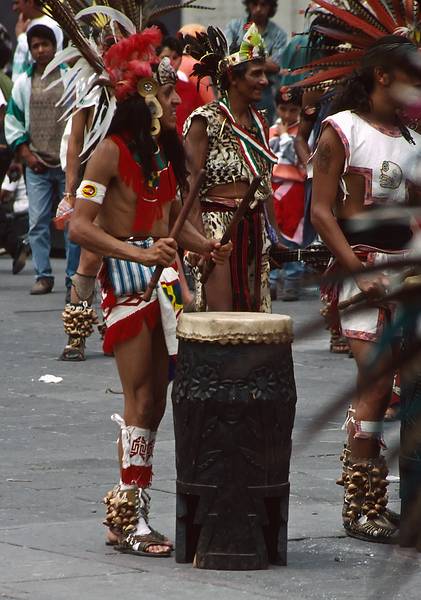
pixel 226 164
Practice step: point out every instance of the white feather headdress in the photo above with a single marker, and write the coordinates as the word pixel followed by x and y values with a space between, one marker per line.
pixel 90 26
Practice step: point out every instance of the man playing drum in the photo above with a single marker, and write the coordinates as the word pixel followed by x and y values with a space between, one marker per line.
pixel 229 139
pixel 124 209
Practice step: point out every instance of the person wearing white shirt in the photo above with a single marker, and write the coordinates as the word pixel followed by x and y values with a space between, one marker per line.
pixel 30 14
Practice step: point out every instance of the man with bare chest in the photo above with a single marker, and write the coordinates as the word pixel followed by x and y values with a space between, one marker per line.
pixel 124 209
pixel 366 160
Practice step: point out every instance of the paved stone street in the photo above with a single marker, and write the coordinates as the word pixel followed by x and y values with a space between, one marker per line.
pixel 58 458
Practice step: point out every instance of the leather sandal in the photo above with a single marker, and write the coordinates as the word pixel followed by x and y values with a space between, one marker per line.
pixel 74 350
pixel 139 544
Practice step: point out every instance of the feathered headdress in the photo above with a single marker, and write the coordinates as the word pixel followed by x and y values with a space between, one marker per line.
pixel 131 59
pixel 252 46
pixel 352 26
pixel 100 77
pixel 210 49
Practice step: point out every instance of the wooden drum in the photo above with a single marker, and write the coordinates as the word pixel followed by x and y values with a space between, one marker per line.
pixel 234 402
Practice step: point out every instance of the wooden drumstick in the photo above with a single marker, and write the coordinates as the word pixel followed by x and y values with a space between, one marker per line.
pixel 176 229
pixel 376 299
pixel 237 217
pixel 352 301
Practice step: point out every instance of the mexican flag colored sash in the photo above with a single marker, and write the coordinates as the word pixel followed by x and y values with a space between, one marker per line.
pixel 249 143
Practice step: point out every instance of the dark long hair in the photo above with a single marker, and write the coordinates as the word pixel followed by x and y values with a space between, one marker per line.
pixel 132 118
pixel 272 3
pixel 390 52
pixel 173 149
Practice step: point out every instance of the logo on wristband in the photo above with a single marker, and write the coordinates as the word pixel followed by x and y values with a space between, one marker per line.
pixel 89 190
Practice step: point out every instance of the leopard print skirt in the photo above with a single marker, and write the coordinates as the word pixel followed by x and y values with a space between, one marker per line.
pixel 215 223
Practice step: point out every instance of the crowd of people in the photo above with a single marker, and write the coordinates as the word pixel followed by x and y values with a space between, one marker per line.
pixel 121 122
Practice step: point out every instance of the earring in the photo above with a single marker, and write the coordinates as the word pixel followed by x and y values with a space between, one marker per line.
pixel 156 113
pixel 148 88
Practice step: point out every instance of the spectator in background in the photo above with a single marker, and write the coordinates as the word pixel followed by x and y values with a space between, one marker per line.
pixel 186 89
pixel 288 178
pixel 9 237
pixel 34 131
pixel 303 47
pixel 30 14
pixel 5 91
pixel 260 12
pixel 5 58
pixel 14 192
pixel 14 221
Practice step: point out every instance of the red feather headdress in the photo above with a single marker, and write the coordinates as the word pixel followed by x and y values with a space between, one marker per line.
pixel 131 59
pixel 354 30
pixel 100 80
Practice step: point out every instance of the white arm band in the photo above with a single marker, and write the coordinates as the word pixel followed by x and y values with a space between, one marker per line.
pixel 91 190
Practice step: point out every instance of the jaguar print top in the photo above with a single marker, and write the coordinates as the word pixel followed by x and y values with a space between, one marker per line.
pixel 224 162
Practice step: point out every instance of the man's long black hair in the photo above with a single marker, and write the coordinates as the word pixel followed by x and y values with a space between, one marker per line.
pixel 389 52
pixel 132 120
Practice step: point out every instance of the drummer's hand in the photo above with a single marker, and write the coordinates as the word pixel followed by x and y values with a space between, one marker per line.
pixel 373 285
pixel 220 254
pixel 163 252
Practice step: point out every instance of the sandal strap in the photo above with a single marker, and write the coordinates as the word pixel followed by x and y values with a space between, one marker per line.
pixel 392 516
pixel 145 505
pixel 365 500
pixel 161 536
pixel 74 350
pixel 157 534
pixel 144 542
pixel 372 530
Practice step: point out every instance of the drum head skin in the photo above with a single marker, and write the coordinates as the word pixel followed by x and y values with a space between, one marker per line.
pixel 235 328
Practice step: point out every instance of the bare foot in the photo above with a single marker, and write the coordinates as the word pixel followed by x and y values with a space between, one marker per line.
pixel 158 549
pixel 112 538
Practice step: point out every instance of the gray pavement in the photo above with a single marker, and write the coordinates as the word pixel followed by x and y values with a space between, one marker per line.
pixel 58 458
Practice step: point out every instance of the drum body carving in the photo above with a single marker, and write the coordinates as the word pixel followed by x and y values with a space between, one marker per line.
pixel 234 404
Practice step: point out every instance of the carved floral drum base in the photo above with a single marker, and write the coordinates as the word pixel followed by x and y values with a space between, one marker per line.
pixel 234 404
